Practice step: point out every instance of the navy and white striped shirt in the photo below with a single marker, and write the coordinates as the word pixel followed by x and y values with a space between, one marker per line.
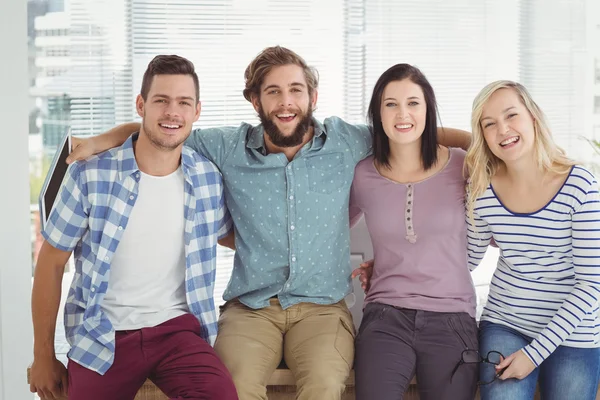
pixel 547 282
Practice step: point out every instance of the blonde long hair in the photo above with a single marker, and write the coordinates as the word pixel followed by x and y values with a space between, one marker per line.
pixel 481 164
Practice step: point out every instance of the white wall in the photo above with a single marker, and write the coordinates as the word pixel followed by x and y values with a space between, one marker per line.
pixel 15 254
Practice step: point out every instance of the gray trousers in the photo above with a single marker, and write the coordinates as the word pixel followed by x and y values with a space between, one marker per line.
pixel 394 344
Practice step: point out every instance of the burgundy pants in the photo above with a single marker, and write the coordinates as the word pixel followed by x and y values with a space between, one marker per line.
pixel 172 355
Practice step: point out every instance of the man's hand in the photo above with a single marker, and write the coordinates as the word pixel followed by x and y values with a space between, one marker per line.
pixel 49 379
pixel 85 148
pixel 364 272
pixel 517 366
pixel 82 149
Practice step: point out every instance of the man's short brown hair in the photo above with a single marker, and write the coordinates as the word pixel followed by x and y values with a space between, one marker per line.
pixel 168 65
pixel 273 57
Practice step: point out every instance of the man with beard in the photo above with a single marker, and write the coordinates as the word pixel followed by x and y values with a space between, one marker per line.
pixel 143 220
pixel 287 183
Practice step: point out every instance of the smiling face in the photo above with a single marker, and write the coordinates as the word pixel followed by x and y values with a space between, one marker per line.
pixel 403 111
pixel 508 127
pixel 284 105
pixel 169 110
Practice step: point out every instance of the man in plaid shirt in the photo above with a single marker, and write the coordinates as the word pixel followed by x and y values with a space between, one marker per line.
pixel 143 220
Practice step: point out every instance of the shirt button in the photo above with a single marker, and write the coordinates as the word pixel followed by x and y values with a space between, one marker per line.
pixel 94 289
pixel 292 197
pixel 137 175
pixel 289 166
pixel 293 259
pixel 120 228
pixel 106 258
pixel 292 227
pixel 130 197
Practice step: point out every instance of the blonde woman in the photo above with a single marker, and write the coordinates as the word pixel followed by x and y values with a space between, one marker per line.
pixel 543 212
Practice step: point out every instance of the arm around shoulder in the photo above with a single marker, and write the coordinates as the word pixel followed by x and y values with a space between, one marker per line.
pixel 217 143
pixel 85 148
pixel 451 137
pixel 358 137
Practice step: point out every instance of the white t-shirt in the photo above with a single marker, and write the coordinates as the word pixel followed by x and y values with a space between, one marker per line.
pixel 146 286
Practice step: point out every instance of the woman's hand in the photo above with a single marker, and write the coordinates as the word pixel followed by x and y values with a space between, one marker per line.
pixel 517 366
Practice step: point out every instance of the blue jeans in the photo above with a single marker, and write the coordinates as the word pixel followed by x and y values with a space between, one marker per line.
pixel 569 372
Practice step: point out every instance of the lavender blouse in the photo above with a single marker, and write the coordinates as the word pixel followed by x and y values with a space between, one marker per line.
pixel 419 237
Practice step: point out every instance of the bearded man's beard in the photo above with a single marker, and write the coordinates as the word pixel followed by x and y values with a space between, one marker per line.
pixel 277 137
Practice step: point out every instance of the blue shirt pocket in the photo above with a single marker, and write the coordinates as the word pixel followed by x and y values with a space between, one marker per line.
pixel 326 172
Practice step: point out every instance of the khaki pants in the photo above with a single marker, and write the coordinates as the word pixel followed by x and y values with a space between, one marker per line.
pixel 316 341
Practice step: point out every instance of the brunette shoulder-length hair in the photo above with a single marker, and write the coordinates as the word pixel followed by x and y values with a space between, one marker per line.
pixel 381 143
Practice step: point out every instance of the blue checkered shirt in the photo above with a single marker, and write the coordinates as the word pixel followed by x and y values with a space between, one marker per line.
pixel 89 218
